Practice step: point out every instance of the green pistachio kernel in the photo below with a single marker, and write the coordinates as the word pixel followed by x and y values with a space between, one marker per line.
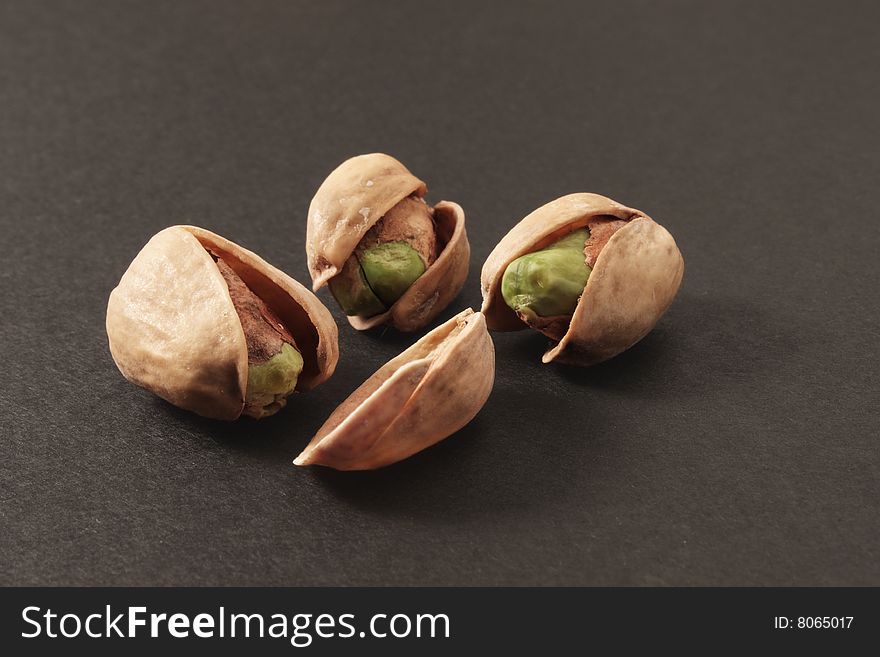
pixel 549 282
pixel 353 293
pixel 270 383
pixel 390 269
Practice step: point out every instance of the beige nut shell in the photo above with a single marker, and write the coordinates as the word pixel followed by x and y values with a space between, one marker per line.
pixel 417 399
pixel 633 282
pixel 356 195
pixel 173 328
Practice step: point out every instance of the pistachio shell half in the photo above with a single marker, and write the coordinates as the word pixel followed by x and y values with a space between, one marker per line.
pixel 359 194
pixel 417 399
pixel 174 330
pixel 636 272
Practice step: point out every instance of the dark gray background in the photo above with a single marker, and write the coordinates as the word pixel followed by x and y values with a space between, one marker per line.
pixel 737 444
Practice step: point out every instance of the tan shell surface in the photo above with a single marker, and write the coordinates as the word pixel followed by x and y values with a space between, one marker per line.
pixel 173 329
pixel 439 285
pixel 633 282
pixel 415 400
pixel 353 197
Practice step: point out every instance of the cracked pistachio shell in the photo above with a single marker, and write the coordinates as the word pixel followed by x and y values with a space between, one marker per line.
pixel 356 195
pixel 173 328
pixel 417 399
pixel 633 282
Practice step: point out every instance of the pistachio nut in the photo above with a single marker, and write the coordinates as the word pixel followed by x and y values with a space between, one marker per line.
pixel 213 328
pixel 593 275
pixel 387 256
pixel 417 399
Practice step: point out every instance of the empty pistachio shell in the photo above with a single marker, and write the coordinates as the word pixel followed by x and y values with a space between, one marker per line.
pixel 185 323
pixel 388 257
pixel 635 271
pixel 420 397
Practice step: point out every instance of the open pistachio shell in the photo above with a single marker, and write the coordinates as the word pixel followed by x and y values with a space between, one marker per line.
pixel 173 328
pixel 633 281
pixel 417 399
pixel 353 198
